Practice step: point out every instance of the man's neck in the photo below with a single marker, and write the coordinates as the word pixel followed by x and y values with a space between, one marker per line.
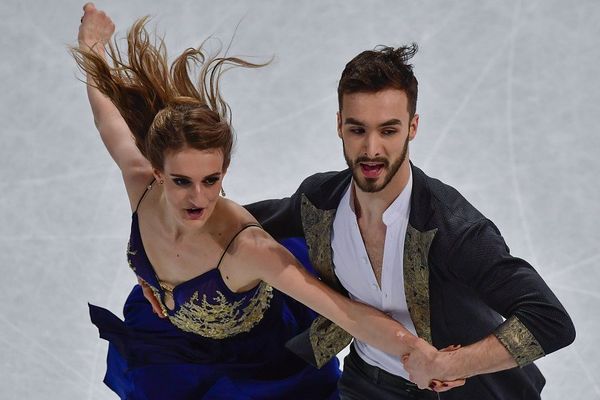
pixel 370 206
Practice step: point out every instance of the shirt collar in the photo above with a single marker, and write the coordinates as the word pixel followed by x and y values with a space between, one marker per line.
pixel 400 207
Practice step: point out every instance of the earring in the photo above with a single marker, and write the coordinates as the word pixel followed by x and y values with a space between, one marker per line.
pixel 223 192
pixel 161 182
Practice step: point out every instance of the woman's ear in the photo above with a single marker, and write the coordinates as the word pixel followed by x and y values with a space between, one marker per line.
pixel 158 176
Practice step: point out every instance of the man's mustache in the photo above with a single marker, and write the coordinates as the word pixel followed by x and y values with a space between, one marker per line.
pixel 380 160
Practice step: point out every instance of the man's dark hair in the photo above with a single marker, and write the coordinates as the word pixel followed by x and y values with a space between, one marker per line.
pixel 378 69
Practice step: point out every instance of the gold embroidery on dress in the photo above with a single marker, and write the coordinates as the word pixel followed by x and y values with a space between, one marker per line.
pixel 169 300
pixel 416 279
pixel 130 253
pixel 221 319
pixel 519 341
pixel 158 297
pixel 155 291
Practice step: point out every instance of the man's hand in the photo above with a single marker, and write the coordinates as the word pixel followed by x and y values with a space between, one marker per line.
pixel 149 295
pixel 425 365
pixel 95 30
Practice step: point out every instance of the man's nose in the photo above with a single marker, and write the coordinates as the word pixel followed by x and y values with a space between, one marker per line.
pixel 372 145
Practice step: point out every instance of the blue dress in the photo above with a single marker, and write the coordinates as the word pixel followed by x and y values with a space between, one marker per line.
pixel 214 344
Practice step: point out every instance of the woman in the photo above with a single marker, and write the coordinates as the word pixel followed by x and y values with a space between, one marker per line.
pixel 208 269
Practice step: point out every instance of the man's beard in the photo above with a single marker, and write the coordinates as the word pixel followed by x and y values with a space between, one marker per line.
pixel 370 185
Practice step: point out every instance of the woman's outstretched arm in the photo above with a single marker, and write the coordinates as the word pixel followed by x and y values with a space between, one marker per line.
pixel 95 32
pixel 266 260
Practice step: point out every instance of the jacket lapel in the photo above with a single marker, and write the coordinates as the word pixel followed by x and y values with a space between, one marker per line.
pixel 416 279
pixel 317 225
pixel 419 236
pixel 326 338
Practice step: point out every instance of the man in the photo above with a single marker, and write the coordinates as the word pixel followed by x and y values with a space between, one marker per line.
pixel 390 236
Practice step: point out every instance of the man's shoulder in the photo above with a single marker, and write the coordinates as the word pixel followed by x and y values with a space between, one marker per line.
pixel 325 189
pixel 445 209
pixel 448 203
pixel 320 179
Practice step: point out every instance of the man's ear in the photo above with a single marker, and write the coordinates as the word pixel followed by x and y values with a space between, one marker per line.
pixel 412 127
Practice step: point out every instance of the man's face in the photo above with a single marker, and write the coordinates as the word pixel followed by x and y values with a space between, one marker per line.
pixel 375 129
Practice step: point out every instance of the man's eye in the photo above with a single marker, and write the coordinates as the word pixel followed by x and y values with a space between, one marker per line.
pixel 357 131
pixel 389 132
pixel 181 181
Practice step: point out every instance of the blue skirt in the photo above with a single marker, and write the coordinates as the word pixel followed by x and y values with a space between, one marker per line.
pixel 149 358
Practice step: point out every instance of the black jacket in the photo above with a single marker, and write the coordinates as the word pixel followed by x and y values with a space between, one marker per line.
pixel 460 280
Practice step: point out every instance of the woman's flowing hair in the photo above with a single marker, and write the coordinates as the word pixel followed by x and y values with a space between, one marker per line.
pixel 163 108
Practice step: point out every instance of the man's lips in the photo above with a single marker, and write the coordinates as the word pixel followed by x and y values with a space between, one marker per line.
pixel 371 169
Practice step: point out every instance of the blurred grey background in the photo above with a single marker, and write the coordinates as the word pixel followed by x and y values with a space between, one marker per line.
pixel 509 103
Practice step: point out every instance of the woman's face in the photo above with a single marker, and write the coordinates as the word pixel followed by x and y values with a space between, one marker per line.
pixel 192 183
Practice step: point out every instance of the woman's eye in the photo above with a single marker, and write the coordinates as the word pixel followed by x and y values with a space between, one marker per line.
pixel 181 181
pixel 211 181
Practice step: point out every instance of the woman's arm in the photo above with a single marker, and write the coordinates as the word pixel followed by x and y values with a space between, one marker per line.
pixel 265 259
pixel 95 31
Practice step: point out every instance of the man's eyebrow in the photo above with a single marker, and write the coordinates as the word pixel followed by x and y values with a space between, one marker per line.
pixel 393 121
pixel 354 121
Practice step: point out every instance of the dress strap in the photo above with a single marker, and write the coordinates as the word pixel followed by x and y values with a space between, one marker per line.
pixel 144 194
pixel 233 238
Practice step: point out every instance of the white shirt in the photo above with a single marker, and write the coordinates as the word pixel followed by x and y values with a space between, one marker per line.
pixel 353 269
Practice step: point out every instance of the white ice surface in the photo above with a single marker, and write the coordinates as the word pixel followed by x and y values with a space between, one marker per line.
pixel 509 103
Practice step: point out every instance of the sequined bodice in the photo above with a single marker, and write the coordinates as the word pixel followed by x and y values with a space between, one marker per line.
pixel 204 305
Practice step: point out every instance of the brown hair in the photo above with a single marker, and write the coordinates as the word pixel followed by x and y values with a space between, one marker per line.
pixel 163 108
pixel 382 68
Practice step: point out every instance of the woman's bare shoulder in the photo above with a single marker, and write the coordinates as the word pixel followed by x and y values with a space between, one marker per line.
pixel 238 213
pixel 137 181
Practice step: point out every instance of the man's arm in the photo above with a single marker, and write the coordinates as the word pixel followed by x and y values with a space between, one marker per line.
pixel 425 365
pixel 536 323
pixel 281 218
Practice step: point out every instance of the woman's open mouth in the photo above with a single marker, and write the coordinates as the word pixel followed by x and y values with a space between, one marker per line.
pixel 194 213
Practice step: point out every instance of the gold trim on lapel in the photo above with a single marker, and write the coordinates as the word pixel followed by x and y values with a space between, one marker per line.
pixel 326 338
pixel 416 279
pixel 317 225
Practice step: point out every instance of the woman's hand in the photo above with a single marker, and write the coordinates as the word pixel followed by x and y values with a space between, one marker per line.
pixel 149 295
pixel 424 366
pixel 95 30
